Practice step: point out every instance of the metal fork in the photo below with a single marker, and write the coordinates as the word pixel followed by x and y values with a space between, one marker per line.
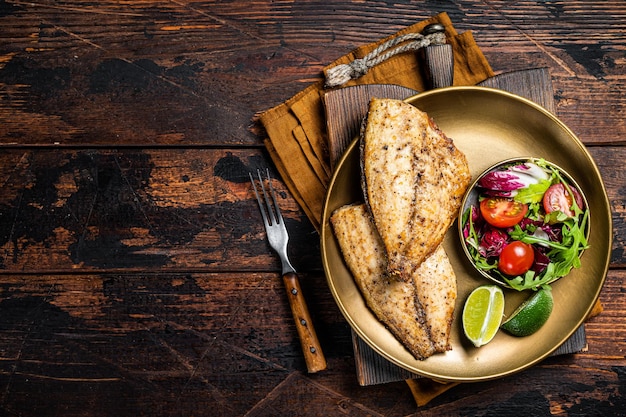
pixel 278 237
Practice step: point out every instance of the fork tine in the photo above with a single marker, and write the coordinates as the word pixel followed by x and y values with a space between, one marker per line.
pixel 258 198
pixel 268 204
pixel 271 216
pixel 279 216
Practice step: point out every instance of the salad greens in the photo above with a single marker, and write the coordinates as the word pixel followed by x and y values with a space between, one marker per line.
pixel 557 236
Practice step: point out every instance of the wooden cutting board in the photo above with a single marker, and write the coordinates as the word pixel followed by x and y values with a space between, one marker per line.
pixel 345 109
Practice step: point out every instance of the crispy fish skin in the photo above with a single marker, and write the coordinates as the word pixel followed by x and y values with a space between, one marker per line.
pixel 393 301
pixel 435 285
pixel 413 179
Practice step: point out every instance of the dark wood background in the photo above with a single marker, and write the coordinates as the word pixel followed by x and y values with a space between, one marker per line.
pixel 135 276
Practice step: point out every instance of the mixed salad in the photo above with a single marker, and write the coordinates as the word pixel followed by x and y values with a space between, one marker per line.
pixel 528 225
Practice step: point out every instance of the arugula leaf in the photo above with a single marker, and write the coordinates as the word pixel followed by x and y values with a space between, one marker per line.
pixel 529 281
pixel 518 234
pixel 534 211
pixel 556 216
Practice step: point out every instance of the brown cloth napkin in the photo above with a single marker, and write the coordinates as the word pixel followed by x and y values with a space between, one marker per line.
pixel 296 128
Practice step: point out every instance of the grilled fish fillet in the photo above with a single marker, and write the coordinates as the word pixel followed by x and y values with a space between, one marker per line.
pixel 435 285
pixel 413 178
pixel 393 301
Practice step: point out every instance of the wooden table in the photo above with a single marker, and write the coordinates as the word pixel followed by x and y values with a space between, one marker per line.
pixel 135 276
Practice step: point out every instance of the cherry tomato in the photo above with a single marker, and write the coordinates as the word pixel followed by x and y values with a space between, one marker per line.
pixel 557 198
pixel 501 212
pixel 516 258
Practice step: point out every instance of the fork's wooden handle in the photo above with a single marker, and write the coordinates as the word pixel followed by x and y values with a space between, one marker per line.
pixel 313 355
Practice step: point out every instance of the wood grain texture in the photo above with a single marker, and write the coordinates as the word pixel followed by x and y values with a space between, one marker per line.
pixel 182 73
pixel 345 109
pixel 139 209
pixel 438 65
pixel 135 277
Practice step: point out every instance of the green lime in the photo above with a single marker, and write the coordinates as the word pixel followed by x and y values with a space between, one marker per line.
pixel 482 314
pixel 531 314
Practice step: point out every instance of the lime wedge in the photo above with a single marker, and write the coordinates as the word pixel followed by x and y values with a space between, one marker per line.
pixel 531 314
pixel 482 314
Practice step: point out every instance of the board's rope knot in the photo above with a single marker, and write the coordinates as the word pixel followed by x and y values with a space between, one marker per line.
pixel 342 73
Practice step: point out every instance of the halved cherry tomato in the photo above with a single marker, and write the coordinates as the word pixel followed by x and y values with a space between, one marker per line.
pixel 516 258
pixel 502 212
pixel 557 198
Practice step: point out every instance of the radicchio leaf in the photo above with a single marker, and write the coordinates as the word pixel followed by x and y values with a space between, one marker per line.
pixel 541 260
pixel 505 182
pixel 492 242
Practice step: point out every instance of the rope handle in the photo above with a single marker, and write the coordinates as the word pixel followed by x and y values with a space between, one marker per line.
pixel 340 74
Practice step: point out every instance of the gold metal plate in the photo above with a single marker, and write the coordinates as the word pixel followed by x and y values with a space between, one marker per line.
pixel 488 125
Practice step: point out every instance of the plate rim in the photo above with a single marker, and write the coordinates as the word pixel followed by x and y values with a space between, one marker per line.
pixel 326 231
